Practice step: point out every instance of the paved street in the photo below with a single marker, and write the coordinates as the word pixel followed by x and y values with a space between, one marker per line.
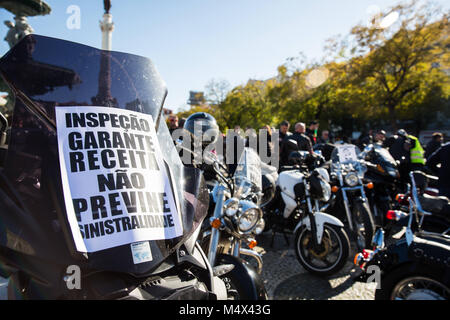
pixel 285 278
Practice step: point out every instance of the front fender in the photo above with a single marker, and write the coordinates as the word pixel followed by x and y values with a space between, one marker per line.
pixel 321 219
pixel 249 280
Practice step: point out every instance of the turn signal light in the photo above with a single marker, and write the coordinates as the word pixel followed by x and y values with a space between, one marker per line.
pixel 216 223
pixel 252 244
pixel 334 189
pixel 358 259
pixel 369 185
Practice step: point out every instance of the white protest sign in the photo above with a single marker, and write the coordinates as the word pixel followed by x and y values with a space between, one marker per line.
pixel 347 153
pixel 115 184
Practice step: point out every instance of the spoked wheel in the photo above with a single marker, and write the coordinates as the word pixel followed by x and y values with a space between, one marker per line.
pixel 420 288
pixel 363 225
pixel 329 257
pixel 421 284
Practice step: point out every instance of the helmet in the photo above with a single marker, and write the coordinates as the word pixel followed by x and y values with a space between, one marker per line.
pixel 402 133
pixel 203 128
pixel 297 157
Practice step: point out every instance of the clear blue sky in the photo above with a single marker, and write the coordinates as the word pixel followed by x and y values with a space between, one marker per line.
pixel 193 41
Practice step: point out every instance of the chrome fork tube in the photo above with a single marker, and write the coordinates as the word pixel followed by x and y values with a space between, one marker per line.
pixel 215 233
pixel 347 209
pixel 256 256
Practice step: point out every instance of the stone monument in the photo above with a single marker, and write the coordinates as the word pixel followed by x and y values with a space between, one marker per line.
pixel 21 10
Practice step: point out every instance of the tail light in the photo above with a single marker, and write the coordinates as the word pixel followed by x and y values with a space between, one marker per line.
pixel 395 215
pixel 402 199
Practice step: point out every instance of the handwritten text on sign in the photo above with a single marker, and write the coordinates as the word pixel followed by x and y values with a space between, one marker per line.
pixel 116 187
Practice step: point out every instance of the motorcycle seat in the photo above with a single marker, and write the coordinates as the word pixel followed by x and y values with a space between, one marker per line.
pixel 424 180
pixel 440 206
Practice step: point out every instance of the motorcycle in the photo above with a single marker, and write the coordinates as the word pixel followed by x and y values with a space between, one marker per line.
pixel 383 173
pixel 349 201
pixel 233 225
pixel 417 266
pixel 303 190
pixel 58 240
pixel 438 206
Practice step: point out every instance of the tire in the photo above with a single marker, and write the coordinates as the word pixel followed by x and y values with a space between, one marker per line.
pixel 392 283
pixel 362 217
pixel 242 280
pixel 304 242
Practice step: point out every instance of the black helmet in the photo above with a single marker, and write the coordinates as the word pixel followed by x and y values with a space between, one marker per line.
pixel 296 158
pixel 203 128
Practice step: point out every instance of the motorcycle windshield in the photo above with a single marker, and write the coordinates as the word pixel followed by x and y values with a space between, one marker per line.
pixel 345 153
pixel 91 169
pixel 248 176
pixel 384 155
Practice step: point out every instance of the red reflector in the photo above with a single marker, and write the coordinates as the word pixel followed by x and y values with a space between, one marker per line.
pixel 391 215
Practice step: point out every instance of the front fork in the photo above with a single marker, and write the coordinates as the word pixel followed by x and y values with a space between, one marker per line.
pixel 215 236
pixel 348 212
pixel 215 233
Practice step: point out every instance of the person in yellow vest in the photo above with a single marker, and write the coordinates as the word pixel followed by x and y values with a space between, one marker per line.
pixel 417 154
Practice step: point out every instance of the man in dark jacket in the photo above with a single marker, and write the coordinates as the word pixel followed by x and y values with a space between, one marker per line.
pixel 442 157
pixel 311 132
pixel 284 131
pixel 303 143
pixel 434 144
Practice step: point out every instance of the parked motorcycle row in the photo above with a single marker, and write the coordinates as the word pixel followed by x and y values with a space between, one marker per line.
pixel 354 196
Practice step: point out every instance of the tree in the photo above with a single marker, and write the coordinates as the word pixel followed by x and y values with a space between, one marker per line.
pixel 395 61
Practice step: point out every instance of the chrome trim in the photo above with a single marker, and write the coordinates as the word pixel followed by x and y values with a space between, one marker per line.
pixel 255 255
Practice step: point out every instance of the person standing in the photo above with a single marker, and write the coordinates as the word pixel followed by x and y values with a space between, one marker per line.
pixel 434 144
pixel 284 131
pixel 312 130
pixel 173 123
pixel 441 156
pixel 325 137
pixel 380 136
pixel 301 143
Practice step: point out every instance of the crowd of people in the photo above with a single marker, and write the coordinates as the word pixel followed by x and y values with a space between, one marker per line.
pixel 405 148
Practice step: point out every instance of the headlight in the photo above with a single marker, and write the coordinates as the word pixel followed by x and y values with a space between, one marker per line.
pixel 351 179
pixel 231 207
pixel 260 226
pixel 249 217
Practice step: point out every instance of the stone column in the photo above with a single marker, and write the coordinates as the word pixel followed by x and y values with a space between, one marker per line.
pixel 107 27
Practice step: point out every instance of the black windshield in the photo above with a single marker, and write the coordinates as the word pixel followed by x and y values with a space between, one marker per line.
pixel 44 73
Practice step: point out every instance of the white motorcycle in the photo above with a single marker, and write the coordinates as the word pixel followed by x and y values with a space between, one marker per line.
pixel 303 190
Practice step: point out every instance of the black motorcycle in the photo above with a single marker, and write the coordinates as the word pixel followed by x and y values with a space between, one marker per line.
pixel 417 266
pixel 382 171
pixel 46 236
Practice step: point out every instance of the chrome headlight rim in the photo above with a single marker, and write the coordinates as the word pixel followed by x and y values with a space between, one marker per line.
pixel 260 226
pixel 231 207
pixel 246 209
pixel 351 179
